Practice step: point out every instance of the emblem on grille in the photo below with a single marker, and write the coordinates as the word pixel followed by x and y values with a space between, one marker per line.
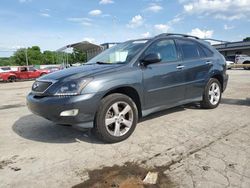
pixel 35 85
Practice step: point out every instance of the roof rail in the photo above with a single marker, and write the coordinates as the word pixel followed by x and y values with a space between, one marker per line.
pixel 177 34
pixel 215 40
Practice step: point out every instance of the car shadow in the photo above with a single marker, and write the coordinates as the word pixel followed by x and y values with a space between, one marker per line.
pixel 38 129
pixel 241 102
pixel 35 128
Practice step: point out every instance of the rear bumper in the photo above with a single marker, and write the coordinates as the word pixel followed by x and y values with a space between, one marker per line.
pixel 225 81
pixel 51 107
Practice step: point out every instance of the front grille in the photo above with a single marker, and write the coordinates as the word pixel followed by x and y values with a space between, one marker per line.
pixel 40 87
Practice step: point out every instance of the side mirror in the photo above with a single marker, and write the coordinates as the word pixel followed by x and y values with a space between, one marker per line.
pixel 151 58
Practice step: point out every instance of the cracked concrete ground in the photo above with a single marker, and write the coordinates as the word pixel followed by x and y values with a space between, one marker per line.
pixel 201 148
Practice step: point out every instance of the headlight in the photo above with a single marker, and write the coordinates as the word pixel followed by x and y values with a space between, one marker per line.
pixel 72 88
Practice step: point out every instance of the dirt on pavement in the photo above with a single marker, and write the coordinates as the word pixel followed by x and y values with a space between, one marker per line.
pixel 130 175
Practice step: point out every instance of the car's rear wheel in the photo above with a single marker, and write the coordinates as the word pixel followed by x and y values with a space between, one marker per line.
pixel 212 94
pixel 12 79
pixel 116 118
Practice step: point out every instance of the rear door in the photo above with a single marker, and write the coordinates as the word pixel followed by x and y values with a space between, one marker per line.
pixel 197 60
pixel 23 73
pixel 163 81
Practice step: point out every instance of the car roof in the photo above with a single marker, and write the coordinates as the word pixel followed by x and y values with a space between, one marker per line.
pixel 175 35
pixel 164 35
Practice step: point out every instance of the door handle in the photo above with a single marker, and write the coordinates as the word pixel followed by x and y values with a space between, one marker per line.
pixel 180 66
pixel 209 62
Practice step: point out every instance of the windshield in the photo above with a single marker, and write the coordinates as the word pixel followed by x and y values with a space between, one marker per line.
pixel 121 53
pixel 5 68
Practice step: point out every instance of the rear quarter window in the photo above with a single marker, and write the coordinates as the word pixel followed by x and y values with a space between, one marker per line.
pixel 190 49
pixel 207 51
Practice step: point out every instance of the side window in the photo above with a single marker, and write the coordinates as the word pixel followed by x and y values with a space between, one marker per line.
pixel 23 69
pixel 166 49
pixel 201 52
pixel 208 52
pixel 190 50
pixel 31 69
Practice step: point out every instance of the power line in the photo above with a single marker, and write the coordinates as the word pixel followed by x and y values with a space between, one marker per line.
pixel 7 50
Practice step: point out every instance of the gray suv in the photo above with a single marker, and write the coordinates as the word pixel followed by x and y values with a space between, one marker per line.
pixel 131 80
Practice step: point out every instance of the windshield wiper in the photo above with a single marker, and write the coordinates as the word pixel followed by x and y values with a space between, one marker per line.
pixel 102 63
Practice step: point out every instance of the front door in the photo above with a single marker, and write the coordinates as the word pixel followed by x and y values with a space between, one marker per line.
pixel 163 82
pixel 33 73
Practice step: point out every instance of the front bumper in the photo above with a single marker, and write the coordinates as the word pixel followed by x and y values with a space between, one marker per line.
pixel 51 107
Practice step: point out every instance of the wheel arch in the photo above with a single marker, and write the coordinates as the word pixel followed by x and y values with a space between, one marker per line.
pixel 42 73
pixel 12 75
pixel 246 62
pixel 219 77
pixel 130 92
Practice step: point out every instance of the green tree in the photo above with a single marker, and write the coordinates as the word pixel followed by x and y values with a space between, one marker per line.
pixel 246 39
pixel 5 61
pixel 34 55
pixel 49 57
pixel 79 56
pixel 18 57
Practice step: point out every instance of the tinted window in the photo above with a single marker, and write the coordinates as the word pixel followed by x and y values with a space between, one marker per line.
pixel 202 52
pixel 32 69
pixel 208 52
pixel 166 49
pixel 23 69
pixel 190 50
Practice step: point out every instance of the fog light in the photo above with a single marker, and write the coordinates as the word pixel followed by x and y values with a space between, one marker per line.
pixel 72 112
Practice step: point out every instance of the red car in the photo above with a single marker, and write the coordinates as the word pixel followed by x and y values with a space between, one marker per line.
pixel 22 73
pixel 28 72
pixel 7 76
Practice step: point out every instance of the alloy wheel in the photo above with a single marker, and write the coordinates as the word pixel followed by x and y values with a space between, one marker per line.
pixel 214 93
pixel 119 119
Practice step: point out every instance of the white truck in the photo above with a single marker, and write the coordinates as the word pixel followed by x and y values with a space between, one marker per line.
pixel 243 59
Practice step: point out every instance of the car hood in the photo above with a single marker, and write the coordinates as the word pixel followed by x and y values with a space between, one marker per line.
pixel 80 72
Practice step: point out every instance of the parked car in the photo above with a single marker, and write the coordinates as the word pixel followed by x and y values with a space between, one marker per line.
pixel 230 61
pixel 7 76
pixel 229 64
pixel 52 68
pixel 129 81
pixel 28 72
pixel 243 59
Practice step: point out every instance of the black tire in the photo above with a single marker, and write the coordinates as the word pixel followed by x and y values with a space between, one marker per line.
pixel 248 63
pixel 12 79
pixel 206 103
pixel 100 129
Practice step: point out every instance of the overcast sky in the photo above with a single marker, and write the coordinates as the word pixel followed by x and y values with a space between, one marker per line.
pixel 52 24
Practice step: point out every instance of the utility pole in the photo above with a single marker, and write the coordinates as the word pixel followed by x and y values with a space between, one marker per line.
pixel 26 56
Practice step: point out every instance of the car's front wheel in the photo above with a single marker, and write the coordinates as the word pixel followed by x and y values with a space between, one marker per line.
pixel 116 118
pixel 212 94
